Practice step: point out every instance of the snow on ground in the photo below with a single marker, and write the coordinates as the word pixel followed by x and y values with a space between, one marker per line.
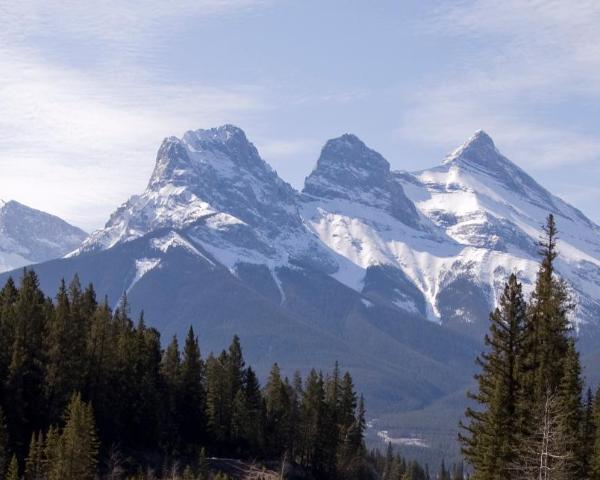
pixel 404 441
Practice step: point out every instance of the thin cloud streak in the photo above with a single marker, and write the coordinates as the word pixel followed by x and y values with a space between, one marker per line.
pixel 542 53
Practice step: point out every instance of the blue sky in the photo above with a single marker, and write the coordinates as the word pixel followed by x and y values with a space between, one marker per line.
pixel 89 89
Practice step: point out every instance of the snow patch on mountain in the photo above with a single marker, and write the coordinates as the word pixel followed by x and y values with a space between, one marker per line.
pixel 29 236
pixel 446 235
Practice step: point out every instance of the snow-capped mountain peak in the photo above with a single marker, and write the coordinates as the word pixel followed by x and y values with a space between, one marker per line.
pixel 222 151
pixel 349 170
pixel 479 145
pixel 346 163
pixel 29 236
pixel 214 173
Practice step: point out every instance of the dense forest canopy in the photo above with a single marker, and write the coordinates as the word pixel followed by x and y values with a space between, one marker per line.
pixel 88 391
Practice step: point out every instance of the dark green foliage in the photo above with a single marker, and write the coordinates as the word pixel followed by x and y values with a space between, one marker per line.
pixel 392 466
pixel 530 421
pixel 491 433
pixel 13 469
pixel 84 389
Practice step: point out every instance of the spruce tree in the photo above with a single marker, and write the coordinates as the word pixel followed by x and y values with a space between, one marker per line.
pixel 278 413
pixel 551 367
pixel 34 464
pixel 170 369
pixel 78 445
pixel 490 434
pixel 588 434
pixel 192 393
pixel 13 469
pixel 218 398
pixel 547 339
pixel 25 382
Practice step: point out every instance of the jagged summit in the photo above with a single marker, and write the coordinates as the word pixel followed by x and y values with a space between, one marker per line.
pixel 218 152
pixel 215 173
pixel 478 149
pixel 347 169
pixel 346 163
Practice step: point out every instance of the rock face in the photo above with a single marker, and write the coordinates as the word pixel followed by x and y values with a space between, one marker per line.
pixel 347 169
pixel 392 273
pixel 29 236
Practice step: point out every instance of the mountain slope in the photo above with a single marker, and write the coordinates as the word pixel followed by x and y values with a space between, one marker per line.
pixel 30 236
pixel 219 241
pixel 494 211
pixel 392 273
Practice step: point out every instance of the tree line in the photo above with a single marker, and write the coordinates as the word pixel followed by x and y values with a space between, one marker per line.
pixel 86 391
pixel 531 419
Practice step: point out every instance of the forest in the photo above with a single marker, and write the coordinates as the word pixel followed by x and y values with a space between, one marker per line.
pixel 88 393
pixel 531 419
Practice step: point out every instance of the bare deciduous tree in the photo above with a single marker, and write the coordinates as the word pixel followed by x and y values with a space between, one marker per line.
pixel 546 453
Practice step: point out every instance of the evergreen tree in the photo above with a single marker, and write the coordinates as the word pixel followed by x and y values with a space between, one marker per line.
pixel 595 460
pixel 77 451
pixel 278 413
pixel 192 393
pixel 588 434
pixel 52 454
pixel 34 465
pixel 548 329
pixel 25 382
pixel 170 369
pixel 13 469
pixel 218 399
pixel 570 403
pixel 8 298
pixel 490 435
pixel 551 367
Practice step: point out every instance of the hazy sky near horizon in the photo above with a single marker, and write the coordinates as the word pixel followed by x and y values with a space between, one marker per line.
pixel 88 90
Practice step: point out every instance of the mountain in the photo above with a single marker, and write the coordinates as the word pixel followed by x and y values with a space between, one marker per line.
pixel 493 210
pixel 30 236
pixel 392 273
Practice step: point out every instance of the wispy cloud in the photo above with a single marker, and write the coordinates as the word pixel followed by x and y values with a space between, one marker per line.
pixel 78 141
pixel 521 62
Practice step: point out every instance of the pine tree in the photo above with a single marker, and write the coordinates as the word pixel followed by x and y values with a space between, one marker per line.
pixel 588 434
pixel 254 414
pixel 192 393
pixel 548 329
pixel 8 298
pixel 170 369
pixel 218 399
pixel 278 413
pixel 78 445
pixel 25 382
pixel 60 371
pixel 13 469
pixel 347 404
pixel 490 435
pixel 570 402
pixel 34 464
pixel 52 454
pixel 595 460
pixel 551 367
